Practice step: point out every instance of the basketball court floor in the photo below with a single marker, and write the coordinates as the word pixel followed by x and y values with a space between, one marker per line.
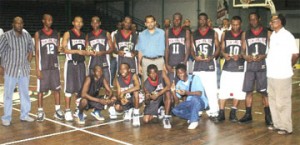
pixel 56 132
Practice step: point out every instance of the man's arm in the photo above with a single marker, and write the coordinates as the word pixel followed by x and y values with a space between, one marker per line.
pixel 37 55
pixel 187 45
pixel 110 44
pixel 217 45
pixel 169 69
pixel 107 87
pixel 225 55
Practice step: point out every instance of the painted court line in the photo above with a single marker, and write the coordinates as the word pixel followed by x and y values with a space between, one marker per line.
pixel 75 129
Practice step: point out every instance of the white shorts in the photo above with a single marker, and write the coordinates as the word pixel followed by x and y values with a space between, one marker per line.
pixel 231 85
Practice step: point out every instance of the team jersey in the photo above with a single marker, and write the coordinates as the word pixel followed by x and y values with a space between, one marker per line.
pixel 177 47
pixel 257 45
pixel 124 85
pixel 95 86
pixel 233 46
pixel 152 88
pixel 48 50
pixel 98 43
pixel 204 45
pixel 126 44
pixel 76 43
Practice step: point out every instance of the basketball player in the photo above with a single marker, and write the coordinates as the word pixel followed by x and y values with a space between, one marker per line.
pixel 177 48
pixel 74 47
pixel 206 49
pixel 256 47
pixel 156 88
pixel 232 77
pixel 90 97
pixel 47 66
pixel 101 44
pixel 125 42
pixel 128 87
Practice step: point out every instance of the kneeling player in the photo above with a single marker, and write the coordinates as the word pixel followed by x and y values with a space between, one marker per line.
pixel 90 95
pixel 128 87
pixel 156 89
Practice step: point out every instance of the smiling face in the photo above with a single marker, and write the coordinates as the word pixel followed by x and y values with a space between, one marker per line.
pixel 124 70
pixel 181 74
pixel 77 23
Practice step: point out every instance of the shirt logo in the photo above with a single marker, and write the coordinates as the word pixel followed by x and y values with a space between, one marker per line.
pixel 176 40
pixel 97 41
pixel 204 41
pixel 49 41
pixel 257 40
pixel 78 41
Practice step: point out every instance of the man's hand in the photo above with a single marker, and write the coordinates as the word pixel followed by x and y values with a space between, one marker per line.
pixel 39 74
pixel 235 57
pixel 124 101
pixel 181 92
pixel 249 58
pixel 121 53
pixel 226 56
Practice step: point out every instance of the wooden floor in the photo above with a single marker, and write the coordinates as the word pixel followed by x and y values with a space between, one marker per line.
pixel 55 132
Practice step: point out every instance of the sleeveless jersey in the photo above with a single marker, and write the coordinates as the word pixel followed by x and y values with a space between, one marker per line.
pixel 98 43
pixel 233 46
pixel 176 47
pixel 48 50
pixel 77 43
pixel 257 44
pixel 95 86
pixel 161 84
pixel 125 86
pixel 204 45
pixel 127 45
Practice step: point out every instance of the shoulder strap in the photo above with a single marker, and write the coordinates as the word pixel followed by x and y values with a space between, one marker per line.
pixel 190 87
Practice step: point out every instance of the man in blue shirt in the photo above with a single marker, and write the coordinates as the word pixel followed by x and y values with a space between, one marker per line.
pixel 189 86
pixel 151 46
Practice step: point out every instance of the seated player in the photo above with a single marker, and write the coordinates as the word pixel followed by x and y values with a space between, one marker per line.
pixel 189 86
pixel 156 88
pixel 90 97
pixel 128 86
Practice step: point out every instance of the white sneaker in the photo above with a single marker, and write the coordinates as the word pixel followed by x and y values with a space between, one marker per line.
pixel 97 115
pixel 200 113
pixel 193 125
pixel 128 114
pixel 141 97
pixel 80 119
pixel 136 120
pixel 68 115
pixel 112 112
pixel 161 112
pixel 167 123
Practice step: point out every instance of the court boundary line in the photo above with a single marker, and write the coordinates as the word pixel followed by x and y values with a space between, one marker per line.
pixel 74 129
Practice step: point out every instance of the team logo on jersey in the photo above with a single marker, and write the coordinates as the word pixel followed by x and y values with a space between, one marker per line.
pixel 97 41
pixel 126 88
pixel 257 40
pixel 49 41
pixel 78 41
pixel 176 40
pixel 233 42
pixel 127 45
pixel 204 41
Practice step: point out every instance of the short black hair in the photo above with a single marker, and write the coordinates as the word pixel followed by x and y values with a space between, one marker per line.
pixel 281 17
pixel 125 64
pixel 203 14
pixel 236 18
pixel 150 16
pixel 177 14
pixel 254 13
pixel 150 67
pixel 97 66
pixel 181 66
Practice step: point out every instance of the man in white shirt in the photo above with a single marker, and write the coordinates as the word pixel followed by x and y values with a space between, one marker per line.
pixel 282 55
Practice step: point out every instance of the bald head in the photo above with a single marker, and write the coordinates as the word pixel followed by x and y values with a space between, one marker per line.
pixel 18 24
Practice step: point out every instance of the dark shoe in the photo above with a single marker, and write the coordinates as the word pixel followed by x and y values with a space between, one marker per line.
pixel 214 119
pixel 284 132
pixel 232 116
pixel 221 116
pixel 247 118
pixel 268 117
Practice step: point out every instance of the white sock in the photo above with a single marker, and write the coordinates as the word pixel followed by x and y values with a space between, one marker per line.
pixel 136 111
pixel 57 107
pixel 40 109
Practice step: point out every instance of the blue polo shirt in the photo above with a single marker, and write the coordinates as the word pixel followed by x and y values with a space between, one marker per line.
pixel 152 45
pixel 196 86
